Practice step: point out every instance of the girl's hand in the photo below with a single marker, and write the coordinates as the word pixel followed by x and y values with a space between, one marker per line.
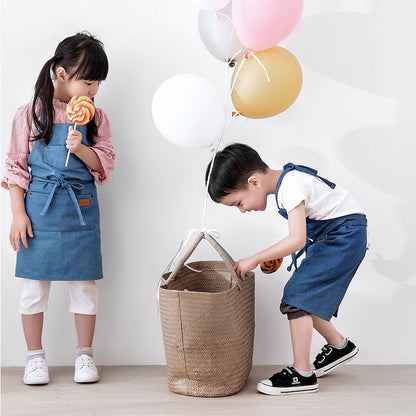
pixel 243 266
pixel 73 140
pixel 20 226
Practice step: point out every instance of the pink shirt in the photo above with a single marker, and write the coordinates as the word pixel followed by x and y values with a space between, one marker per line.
pixel 17 169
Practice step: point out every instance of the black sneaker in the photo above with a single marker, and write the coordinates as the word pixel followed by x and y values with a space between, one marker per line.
pixel 288 381
pixel 331 357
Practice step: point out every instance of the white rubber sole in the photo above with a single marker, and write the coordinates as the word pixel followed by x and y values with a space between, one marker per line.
pixel 86 379
pixel 35 382
pixel 327 369
pixel 279 391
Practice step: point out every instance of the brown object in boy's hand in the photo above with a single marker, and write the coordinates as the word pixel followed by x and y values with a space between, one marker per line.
pixel 270 266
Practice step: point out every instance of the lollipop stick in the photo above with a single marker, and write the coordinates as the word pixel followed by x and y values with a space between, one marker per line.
pixel 69 152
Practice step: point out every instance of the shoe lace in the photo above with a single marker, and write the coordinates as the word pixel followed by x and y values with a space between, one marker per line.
pixel 86 361
pixel 37 363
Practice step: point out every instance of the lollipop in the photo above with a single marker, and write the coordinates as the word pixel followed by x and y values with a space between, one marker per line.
pixel 80 110
pixel 270 266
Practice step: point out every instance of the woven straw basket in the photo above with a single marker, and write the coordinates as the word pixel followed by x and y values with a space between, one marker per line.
pixel 207 324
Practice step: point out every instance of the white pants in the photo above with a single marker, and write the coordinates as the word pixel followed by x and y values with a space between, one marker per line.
pixel 83 296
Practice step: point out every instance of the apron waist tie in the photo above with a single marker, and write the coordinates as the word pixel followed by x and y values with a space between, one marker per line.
pixel 296 255
pixel 64 184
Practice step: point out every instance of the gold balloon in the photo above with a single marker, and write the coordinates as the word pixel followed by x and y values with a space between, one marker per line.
pixel 256 97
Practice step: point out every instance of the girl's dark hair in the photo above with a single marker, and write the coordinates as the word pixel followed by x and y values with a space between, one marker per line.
pixel 83 57
pixel 232 167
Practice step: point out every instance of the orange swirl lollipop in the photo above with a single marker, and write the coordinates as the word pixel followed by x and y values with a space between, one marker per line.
pixel 270 266
pixel 80 110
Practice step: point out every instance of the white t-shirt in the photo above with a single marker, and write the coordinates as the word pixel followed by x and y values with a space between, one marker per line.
pixel 321 201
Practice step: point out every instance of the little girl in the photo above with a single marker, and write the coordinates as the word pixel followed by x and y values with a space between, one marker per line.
pixel 56 205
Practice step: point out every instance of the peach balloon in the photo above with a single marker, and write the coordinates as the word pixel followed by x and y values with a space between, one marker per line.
pixel 253 95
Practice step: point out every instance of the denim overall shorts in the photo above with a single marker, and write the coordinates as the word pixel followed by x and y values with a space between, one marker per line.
pixel 63 208
pixel 333 251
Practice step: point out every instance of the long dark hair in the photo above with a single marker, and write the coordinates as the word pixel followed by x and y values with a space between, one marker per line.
pixel 83 57
pixel 232 167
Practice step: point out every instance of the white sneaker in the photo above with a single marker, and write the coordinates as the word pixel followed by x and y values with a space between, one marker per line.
pixel 36 371
pixel 85 370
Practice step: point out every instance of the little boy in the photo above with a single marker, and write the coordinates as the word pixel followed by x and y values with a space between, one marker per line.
pixel 328 225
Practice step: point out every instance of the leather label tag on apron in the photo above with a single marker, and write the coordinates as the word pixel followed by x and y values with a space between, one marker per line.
pixel 84 202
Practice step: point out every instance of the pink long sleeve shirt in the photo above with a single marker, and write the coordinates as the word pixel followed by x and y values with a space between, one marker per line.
pixel 17 169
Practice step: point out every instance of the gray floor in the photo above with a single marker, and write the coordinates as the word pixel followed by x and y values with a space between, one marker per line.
pixel 142 390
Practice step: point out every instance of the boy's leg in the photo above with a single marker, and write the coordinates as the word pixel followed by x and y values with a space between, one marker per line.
pixel 338 349
pixel 298 378
pixel 301 332
pixel 327 330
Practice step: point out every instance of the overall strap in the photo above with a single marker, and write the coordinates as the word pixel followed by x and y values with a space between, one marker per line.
pixel 306 169
pixel 291 166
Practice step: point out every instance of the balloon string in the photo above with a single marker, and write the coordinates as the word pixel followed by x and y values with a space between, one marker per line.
pixel 225 16
pixel 236 75
pixel 260 63
pixel 241 66
pixel 204 210
pixel 225 43
pixel 228 124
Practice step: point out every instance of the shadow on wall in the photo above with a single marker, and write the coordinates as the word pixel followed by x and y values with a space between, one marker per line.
pixel 369 51
pixel 373 52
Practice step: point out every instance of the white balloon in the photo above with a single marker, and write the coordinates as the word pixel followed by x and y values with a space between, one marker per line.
pixel 188 111
pixel 210 4
pixel 218 34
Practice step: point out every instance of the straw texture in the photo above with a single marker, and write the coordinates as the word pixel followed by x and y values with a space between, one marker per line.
pixel 208 326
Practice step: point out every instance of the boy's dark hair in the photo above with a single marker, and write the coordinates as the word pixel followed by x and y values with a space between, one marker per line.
pixel 232 167
pixel 83 57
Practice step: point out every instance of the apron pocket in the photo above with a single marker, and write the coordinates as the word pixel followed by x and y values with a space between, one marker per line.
pixel 88 204
pixel 62 214
pixel 35 203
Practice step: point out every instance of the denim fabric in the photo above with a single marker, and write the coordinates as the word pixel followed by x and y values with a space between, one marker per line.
pixel 62 205
pixel 334 250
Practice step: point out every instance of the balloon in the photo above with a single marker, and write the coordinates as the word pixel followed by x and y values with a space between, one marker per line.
pixel 210 4
pixel 218 35
pixel 253 95
pixel 188 111
pixel 262 24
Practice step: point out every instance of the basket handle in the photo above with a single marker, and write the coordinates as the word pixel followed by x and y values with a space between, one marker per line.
pixel 229 262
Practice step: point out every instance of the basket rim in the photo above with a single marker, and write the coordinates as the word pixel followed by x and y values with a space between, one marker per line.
pixel 234 284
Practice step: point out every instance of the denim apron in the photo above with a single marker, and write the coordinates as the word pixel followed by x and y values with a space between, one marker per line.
pixel 63 208
pixel 333 252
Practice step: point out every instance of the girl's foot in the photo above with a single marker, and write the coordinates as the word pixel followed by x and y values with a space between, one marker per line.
pixel 36 372
pixel 85 370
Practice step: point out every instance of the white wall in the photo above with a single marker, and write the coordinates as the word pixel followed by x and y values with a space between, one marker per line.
pixel 353 121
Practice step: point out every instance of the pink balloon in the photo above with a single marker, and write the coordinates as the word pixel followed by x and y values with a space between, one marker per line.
pixel 261 24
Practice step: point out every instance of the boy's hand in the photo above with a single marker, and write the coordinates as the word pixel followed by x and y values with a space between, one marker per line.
pixel 20 226
pixel 73 140
pixel 243 266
